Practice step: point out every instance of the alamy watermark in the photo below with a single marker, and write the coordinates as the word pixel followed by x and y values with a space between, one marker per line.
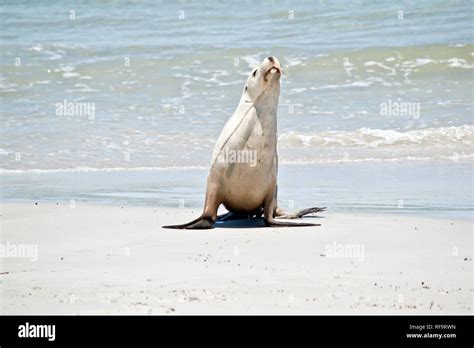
pixel 349 251
pixel 238 156
pixel 28 330
pixel 26 251
pixel 400 108
pixel 67 108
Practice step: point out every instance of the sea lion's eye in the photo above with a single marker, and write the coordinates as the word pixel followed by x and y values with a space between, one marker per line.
pixel 254 73
pixel 245 87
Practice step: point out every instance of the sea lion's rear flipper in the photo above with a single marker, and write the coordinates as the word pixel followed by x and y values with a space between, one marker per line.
pixel 201 223
pixel 280 214
pixel 288 224
pixel 307 211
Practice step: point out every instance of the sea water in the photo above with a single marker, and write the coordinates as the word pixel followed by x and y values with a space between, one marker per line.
pixel 99 100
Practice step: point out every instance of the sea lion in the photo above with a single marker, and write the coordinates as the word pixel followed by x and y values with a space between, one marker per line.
pixel 244 165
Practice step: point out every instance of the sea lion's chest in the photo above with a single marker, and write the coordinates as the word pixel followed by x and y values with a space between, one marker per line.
pixel 247 162
pixel 250 146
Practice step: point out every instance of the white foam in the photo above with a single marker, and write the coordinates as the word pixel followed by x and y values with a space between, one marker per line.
pixel 380 65
pixel 36 48
pixel 424 61
pixel 67 68
pixel 94 169
pixel 360 83
pixel 459 63
pixel 374 138
pixel 252 60
pixel 298 90
pixel 294 61
pixel 70 74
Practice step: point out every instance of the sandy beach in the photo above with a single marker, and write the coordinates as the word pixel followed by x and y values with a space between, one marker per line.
pixel 93 259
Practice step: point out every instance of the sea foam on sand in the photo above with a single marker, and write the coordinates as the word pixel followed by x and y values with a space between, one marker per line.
pixel 111 259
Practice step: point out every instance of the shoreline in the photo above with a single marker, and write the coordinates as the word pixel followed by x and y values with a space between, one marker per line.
pixel 282 163
pixel 420 190
pixel 95 259
pixel 196 210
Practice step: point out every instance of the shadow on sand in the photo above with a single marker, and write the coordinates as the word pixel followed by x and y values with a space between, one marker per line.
pixel 253 223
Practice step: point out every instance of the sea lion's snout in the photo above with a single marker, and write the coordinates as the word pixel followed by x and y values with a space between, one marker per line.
pixel 274 70
pixel 273 67
pixel 264 77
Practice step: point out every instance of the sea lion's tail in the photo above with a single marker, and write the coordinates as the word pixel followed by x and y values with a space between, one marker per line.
pixel 201 223
pixel 299 214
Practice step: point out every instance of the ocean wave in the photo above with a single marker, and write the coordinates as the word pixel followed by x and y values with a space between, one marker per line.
pixel 384 66
pixel 374 138
pixel 327 147
pixel 97 169
pixel 456 158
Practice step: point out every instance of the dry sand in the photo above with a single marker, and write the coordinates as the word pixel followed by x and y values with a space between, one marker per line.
pixel 109 259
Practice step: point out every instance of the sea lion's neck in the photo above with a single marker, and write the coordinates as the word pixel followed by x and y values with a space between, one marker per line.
pixel 266 108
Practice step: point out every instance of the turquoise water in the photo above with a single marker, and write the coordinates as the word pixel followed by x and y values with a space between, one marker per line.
pixel 438 191
pixel 163 87
pixel 164 77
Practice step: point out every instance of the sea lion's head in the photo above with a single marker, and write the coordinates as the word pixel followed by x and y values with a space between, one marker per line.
pixel 265 77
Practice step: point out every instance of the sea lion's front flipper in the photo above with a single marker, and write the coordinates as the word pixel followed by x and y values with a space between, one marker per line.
pixel 201 223
pixel 280 214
